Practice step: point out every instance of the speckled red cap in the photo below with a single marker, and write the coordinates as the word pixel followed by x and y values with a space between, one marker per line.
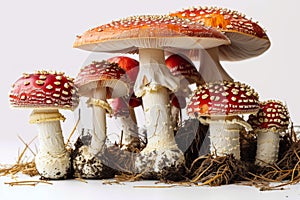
pixel 223 99
pixel 44 89
pixel 272 114
pixel 182 67
pixel 149 31
pixel 102 74
pixel 247 38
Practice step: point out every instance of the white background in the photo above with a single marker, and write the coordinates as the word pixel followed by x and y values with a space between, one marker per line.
pixel 39 35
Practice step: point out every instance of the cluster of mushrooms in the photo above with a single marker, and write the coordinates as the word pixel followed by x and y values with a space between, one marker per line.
pixel 165 82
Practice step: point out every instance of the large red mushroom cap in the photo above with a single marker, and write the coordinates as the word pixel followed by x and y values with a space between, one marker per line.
pixel 272 114
pixel 184 68
pixel 149 31
pixel 102 74
pixel 247 38
pixel 223 99
pixel 44 89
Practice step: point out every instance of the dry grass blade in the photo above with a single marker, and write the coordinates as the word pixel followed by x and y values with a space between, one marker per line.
pixel 27 183
pixel 27 168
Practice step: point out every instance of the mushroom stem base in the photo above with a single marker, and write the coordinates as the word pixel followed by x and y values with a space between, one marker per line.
pixel 267 147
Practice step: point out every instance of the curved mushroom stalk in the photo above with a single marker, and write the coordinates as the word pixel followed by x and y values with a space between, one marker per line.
pixel 87 163
pixel 153 83
pixel 52 160
pixel 267 147
pixel 225 135
pixel 130 132
pixel 99 107
pixel 210 67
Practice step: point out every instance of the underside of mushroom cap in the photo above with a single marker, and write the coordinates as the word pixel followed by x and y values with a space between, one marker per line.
pixel 149 31
pixel 247 38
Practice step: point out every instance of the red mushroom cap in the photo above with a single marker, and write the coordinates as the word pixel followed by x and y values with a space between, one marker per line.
pixel 272 114
pixel 182 67
pixel 130 65
pixel 119 107
pixel 223 99
pixel 102 74
pixel 44 89
pixel 149 31
pixel 247 38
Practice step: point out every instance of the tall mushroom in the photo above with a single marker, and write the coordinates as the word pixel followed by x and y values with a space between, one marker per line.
pixel 219 104
pixel 98 81
pixel 123 107
pixel 271 120
pixel 46 92
pixel 185 70
pixel 247 38
pixel 150 35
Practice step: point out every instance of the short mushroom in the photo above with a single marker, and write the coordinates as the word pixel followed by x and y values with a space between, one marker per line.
pixel 247 38
pixel 98 81
pixel 184 69
pixel 150 35
pixel 46 92
pixel 123 108
pixel 219 105
pixel 271 120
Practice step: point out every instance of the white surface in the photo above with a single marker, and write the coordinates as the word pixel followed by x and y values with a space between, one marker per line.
pixel 95 189
pixel 39 35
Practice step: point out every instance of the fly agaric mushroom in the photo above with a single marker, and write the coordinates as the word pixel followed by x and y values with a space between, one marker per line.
pixel 46 92
pixel 271 120
pixel 219 104
pixel 123 108
pixel 150 35
pixel 98 81
pixel 184 69
pixel 247 38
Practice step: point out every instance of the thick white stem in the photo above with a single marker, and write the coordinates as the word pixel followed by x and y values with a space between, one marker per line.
pixel 153 72
pixel 224 135
pixel 130 130
pixel 267 147
pixel 99 122
pixel 210 67
pixel 160 132
pixel 52 160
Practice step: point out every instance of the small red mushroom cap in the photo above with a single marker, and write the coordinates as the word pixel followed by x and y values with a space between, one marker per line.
pixel 130 65
pixel 102 74
pixel 223 98
pixel 272 114
pixel 182 67
pixel 119 107
pixel 44 89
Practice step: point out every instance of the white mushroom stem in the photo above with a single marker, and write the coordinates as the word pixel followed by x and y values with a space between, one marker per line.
pixel 175 117
pixel 210 67
pixel 99 107
pixel 52 160
pixel 224 135
pixel 130 131
pixel 160 132
pixel 153 82
pixel 267 147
